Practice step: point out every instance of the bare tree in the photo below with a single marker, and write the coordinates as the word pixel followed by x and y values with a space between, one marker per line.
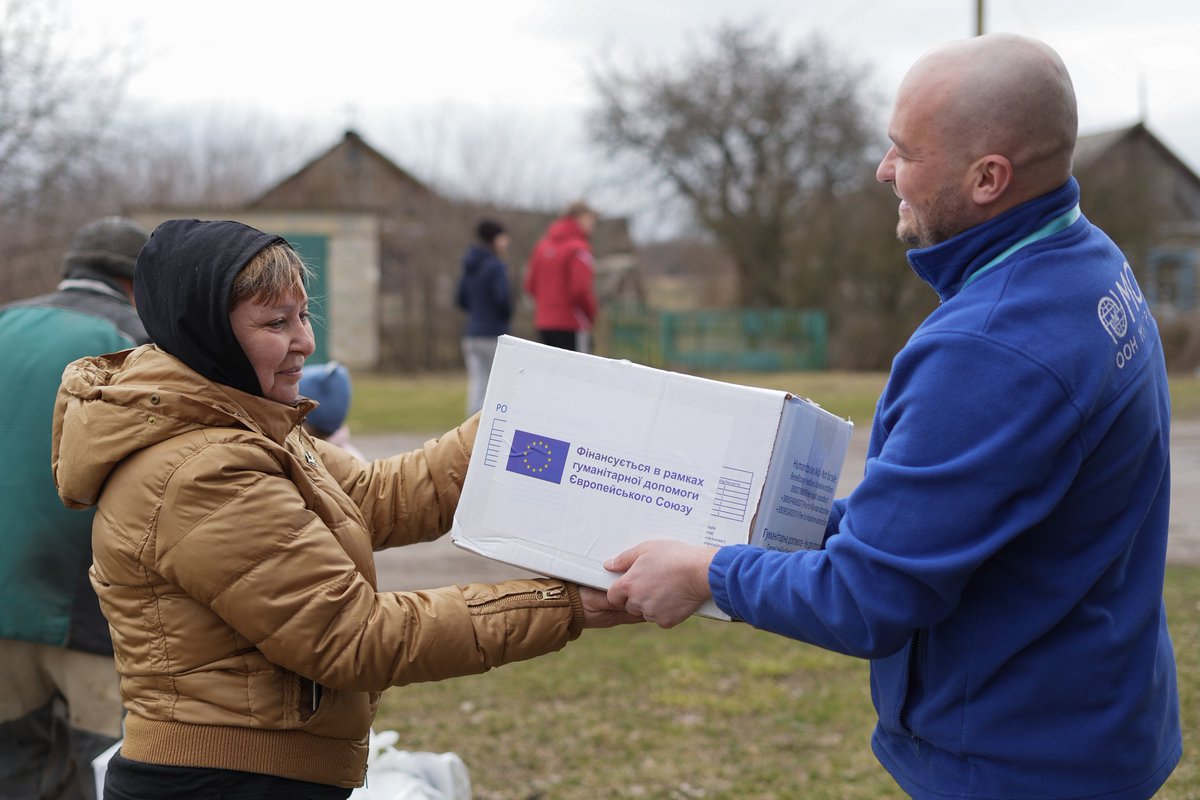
pixel 69 152
pixel 57 106
pixel 854 268
pixel 746 133
pixel 500 156
pixel 212 157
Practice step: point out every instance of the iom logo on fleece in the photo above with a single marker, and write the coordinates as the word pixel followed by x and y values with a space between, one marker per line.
pixel 538 456
pixel 1118 311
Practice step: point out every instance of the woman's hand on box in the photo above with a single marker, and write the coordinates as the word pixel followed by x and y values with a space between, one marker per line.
pixel 599 612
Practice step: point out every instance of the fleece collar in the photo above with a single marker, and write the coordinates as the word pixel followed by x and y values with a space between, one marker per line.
pixel 952 264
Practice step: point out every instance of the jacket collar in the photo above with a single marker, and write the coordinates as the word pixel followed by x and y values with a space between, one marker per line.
pixel 949 265
pixel 187 394
pixel 273 419
pixel 93 286
pixel 110 407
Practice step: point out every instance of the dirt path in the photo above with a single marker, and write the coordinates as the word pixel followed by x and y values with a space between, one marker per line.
pixel 440 563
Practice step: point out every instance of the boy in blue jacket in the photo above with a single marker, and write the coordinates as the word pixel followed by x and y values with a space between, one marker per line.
pixel 1001 563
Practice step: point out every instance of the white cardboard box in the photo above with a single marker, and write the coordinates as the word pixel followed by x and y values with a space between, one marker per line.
pixel 580 457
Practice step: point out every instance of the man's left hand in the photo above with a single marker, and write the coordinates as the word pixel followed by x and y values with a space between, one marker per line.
pixel 664 581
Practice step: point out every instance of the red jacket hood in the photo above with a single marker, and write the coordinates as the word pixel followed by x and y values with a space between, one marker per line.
pixel 565 229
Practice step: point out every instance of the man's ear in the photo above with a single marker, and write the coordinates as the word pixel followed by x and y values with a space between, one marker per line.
pixel 991 177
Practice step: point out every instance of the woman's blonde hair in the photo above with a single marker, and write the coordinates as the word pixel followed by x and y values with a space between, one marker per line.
pixel 275 273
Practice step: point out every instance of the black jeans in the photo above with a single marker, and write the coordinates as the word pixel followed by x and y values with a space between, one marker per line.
pixel 135 780
pixel 562 339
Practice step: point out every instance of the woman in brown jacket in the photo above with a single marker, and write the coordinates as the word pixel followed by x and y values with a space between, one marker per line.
pixel 233 552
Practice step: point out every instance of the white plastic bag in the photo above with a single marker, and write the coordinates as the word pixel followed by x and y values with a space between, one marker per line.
pixel 100 766
pixel 401 775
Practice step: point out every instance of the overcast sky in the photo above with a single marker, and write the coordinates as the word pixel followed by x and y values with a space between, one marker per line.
pixel 373 64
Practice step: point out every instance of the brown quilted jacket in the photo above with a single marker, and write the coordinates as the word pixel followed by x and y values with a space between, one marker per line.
pixel 233 560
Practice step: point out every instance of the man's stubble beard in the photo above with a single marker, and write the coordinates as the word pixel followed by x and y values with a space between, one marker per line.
pixel 943 221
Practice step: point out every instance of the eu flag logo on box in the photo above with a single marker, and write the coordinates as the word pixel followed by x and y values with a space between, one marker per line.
pixel 538 456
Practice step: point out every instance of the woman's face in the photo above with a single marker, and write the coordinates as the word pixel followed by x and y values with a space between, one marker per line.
pixel 277 337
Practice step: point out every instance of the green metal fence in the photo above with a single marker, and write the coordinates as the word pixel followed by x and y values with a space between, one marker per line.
pixel 751 340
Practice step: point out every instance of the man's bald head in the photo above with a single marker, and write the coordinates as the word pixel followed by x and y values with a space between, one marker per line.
pixel 1004 94
pixel 979 127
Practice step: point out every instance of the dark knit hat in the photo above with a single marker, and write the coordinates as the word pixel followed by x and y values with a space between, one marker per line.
pixel 110 245
pixel 487 230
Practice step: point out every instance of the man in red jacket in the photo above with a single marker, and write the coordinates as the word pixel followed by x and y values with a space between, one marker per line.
pixel 560 280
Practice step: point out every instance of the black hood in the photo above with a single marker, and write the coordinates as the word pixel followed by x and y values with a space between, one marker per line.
pixel 182 286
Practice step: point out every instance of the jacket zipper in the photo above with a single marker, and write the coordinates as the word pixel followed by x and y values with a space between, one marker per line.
pixel 520 599
pixel 310 696
pixel 914 658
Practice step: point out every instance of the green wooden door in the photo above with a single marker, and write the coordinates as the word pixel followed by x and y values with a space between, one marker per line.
pixel 314 249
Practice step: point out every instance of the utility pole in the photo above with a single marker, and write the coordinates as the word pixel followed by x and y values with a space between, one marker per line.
pixel 1143 98
pixel 979 17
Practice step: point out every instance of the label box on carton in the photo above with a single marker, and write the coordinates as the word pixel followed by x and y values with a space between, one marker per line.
pixel 580 457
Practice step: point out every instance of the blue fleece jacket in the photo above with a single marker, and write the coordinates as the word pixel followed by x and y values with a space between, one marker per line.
pixel 1001 563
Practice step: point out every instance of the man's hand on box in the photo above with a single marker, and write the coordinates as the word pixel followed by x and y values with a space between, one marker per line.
pixel 598 612
pixel 664 581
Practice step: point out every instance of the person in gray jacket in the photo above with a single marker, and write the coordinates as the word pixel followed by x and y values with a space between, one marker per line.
pixel 59 700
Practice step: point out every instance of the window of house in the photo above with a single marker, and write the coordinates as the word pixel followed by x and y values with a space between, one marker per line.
pixel 1173 277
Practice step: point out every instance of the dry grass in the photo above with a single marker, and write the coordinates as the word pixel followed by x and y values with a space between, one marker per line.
pixel 434 403
pixel 707 710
